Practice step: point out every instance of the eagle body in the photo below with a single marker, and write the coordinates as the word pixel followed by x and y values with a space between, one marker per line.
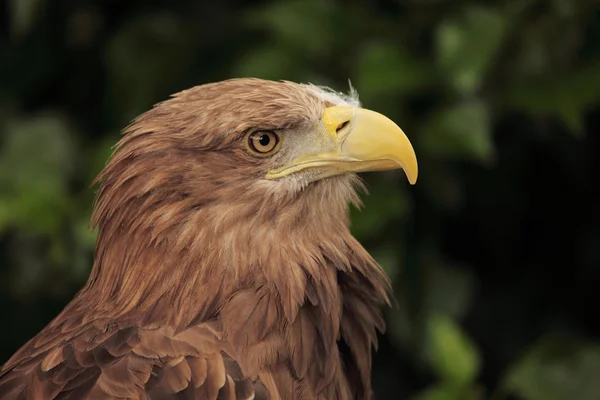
pixel 224 264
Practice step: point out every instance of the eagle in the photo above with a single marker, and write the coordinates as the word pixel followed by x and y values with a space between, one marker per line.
pixel 224 265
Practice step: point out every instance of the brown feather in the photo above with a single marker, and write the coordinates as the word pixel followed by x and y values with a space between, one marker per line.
pixel 209 281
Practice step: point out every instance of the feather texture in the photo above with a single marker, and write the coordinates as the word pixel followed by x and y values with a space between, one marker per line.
pixel 210 282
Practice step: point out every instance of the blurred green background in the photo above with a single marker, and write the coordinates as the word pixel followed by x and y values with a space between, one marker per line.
pixel 494 254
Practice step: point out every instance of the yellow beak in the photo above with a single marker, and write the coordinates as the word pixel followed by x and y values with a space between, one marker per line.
pixel 358 140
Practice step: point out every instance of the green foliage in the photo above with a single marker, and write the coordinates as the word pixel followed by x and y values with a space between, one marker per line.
pixel 441 392
pixel 387 68
pixel 467 45
pixel 557 368
pixel 454 357
pixel 35 188
pixel 488 94
pixel 455 360
pixel 462 131
pixel 378 208
pixel 566 98
pixel 23 15
pixel 445 291
pixel 288 21
pixel 151 46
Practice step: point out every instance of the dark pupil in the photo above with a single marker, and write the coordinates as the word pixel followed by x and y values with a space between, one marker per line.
pixel 264 140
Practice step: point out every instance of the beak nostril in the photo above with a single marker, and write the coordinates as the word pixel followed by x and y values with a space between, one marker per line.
pixel 341 126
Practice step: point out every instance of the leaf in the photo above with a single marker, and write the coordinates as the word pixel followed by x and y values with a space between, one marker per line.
pixel 35 162
pixel 454 357
pixel 23 14
pixel 269 62
pixel 557 368
pixel 382 205
pixel 462 131
pixel 445 290
pixel 440 392
pixel 387 256
pixel 466 46
pixel 143 59
pixel 566 97
pixel 449 392
pixel 444 186
pixel 449 290
pixel 304 24
pixel 6 214
pixel 401 328
pixel 388 68
pixel 99 155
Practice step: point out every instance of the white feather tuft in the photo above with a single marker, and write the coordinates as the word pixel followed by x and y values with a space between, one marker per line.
pixel 337 98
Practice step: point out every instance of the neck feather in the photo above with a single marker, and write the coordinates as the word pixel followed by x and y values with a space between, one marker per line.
pixel 173 261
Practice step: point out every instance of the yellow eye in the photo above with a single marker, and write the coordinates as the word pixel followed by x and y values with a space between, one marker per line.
pixel 263 142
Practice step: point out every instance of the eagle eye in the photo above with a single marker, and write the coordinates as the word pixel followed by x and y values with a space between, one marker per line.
pixel 263 143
